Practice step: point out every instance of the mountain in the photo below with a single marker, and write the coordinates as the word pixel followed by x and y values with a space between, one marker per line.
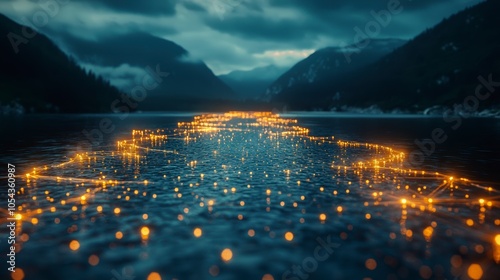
pixel 440 66
pixel 189 80
pixel 39 77
pixel 331 64
pixel 252 83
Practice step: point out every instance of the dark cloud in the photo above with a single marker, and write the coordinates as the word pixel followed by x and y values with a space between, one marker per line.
pixel 226 34
pixel 258 27
pixel 298 21
pixel 193 6
pixel 150 7
pixel 135 49
pixel 325 6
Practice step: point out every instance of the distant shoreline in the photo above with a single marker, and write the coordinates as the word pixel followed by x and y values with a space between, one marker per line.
pixel 287 114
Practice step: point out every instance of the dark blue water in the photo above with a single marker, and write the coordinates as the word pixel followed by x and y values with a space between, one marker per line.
pixel 253 198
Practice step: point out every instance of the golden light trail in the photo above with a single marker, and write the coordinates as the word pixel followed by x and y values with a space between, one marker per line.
pixel 377 175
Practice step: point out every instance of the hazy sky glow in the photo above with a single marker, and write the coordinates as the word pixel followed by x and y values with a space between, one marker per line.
pixel 234 34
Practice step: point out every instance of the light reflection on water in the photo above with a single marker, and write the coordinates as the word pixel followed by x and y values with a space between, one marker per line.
pixel 252 196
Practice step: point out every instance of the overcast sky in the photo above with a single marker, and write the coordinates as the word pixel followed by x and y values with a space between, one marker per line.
pixel 236 34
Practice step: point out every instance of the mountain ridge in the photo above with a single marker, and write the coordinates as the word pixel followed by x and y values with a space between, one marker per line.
pixel 252 83
pixel 188 78
pixel 440 66
pixel 331 62
pixel 36 76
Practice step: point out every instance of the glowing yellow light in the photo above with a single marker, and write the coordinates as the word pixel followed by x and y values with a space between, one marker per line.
pixel 428 231
pixel 19 216
pixel 74 245
pixel 154 276
pixel 273 125
pixel 226 255
pixel 145 231
pixel 475 271
pixel 197 232
pixel 119 235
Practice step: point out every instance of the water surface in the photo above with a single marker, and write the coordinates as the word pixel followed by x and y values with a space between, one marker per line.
pixel 254 196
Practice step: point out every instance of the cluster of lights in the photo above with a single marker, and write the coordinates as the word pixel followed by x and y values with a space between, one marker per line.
pixel 414 191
